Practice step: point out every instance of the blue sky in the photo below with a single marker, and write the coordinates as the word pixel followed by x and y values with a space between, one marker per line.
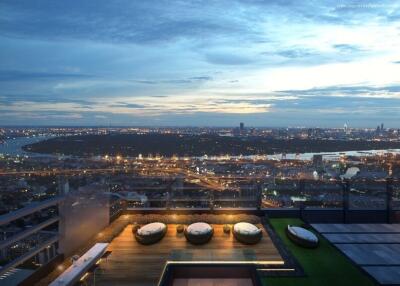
pixel 203 63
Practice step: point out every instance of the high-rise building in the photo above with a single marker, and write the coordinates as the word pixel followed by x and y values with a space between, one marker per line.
pixel 317 160
pixel 241 128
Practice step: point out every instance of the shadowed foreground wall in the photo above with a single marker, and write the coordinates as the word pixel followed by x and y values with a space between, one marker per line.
pixel 84 213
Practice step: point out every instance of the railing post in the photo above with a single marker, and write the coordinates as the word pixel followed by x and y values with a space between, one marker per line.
pixel 259 196
pixel 302 211
pixel 211 200
pixel 346 198
pixel 389 199
pixel 168 202
pixel 301 190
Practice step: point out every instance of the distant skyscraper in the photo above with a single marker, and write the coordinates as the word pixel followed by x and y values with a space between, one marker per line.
pixel 317 160
pixel 241 128
pixel 346 129
pixel 381 127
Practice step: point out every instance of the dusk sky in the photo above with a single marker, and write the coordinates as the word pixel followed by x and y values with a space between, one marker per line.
pixel 200 63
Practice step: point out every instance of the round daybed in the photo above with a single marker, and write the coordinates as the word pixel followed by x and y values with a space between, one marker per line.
pixel 199 233
pixel 247 233
pixel 151 233
pixel 302 236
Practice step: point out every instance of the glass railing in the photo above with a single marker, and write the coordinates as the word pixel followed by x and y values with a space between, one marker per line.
pixel 269 192
pixel 289 193
pixel 357 194
pixel 395 196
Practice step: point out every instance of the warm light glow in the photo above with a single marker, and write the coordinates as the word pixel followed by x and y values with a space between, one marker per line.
pixel 84 276
pixel 270 262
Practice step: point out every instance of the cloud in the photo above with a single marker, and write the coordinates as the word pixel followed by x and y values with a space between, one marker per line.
pixel 296 53
pixel 179 61
pixel 128 105
pixel 228 59
pixel 143 22
pixel 9 99
pixel 14 75
pixel 380 92
pixel 45 116
pixel 347 48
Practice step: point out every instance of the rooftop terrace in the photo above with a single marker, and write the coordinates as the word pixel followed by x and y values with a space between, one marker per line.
pixel 131 261
pixel 276 260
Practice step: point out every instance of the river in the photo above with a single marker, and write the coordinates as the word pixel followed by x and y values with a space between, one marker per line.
pixel 13 146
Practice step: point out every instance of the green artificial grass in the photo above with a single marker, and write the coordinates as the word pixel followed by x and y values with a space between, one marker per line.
pixel 324 265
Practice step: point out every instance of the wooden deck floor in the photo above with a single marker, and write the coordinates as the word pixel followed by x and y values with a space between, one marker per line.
pixel 133 264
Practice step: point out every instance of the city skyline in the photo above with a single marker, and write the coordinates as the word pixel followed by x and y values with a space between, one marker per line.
pixel 214 63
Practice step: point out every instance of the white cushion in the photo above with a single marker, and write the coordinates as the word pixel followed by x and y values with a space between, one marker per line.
pixel 246 228
pixel 303 233
pixel 151 228
pixel 199 228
